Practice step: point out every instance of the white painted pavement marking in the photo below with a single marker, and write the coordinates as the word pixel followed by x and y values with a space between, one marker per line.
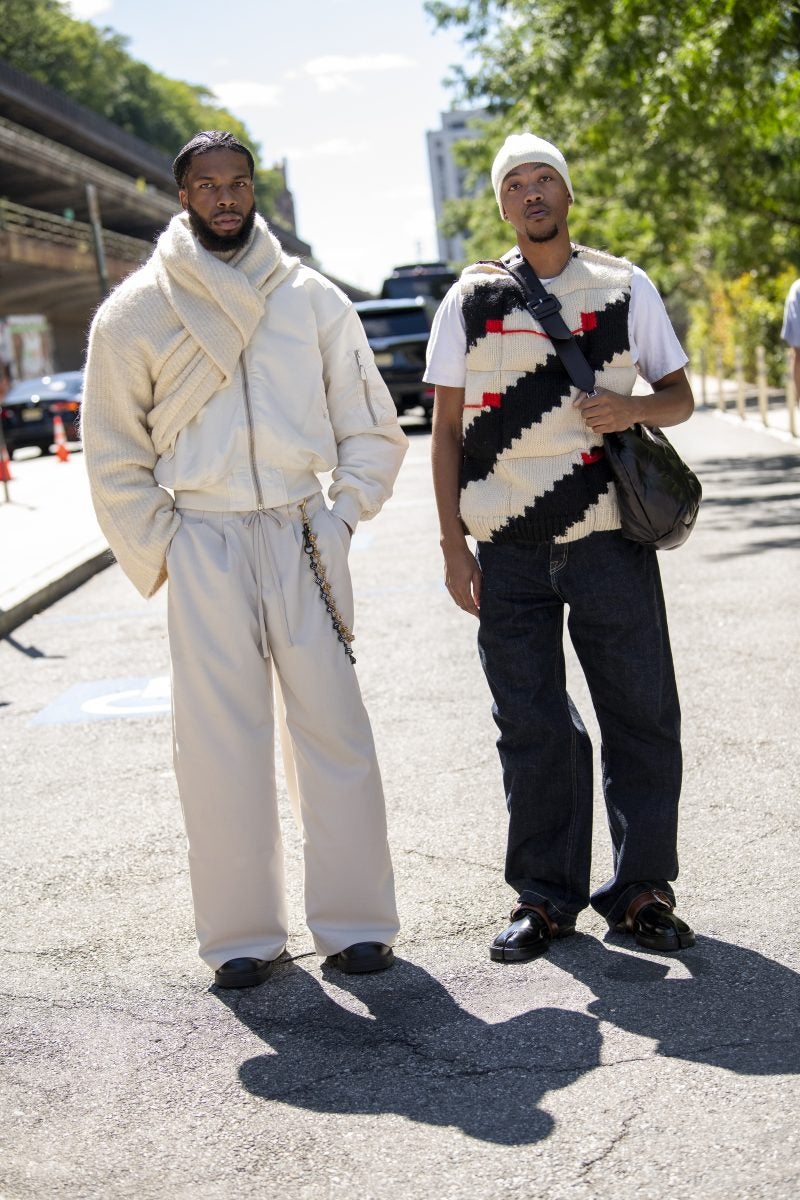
pixel 103 699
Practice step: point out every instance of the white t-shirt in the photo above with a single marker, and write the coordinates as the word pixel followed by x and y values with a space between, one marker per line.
pixel 655 348
pixel 791 316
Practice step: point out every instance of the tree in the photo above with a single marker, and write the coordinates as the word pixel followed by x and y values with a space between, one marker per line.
pixel 678 120
pixel 92 66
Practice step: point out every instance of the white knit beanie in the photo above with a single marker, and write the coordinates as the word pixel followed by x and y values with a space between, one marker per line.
pixel 519 148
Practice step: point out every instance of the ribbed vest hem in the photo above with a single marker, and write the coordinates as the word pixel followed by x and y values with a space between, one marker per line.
pixel 528 528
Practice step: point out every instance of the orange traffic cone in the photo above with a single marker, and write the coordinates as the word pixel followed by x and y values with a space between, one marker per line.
pixel 5 465
pixel 60 439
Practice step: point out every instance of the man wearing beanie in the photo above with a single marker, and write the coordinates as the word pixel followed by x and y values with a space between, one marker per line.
pixel 518 464
pixel 223 378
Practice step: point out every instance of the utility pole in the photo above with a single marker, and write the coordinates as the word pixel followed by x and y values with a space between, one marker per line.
pixel 97 237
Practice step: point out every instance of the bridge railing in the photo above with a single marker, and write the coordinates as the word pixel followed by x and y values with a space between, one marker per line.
pixel 33 223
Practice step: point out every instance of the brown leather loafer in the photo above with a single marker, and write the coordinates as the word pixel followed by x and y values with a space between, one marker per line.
pixel 243 972
pixel 654 925
pixel 362 957
pixel 530 933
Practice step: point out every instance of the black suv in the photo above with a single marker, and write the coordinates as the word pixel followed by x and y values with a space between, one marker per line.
pixel 397 331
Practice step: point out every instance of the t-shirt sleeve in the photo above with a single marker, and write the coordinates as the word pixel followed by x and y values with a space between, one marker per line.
pixel 655 348
pixel 447 344
pixel 791 316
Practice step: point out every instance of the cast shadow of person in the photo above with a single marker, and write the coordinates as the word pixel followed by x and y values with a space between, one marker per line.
pixel 725 1006
pixel 413 1050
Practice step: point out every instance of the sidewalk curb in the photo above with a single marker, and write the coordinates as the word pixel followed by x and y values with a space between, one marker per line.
pixel 55 587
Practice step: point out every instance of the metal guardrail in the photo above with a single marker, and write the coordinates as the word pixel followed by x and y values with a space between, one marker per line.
pixel 131 153
pixel 76 235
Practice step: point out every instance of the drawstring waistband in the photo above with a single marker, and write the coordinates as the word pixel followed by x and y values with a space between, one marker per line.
pixel 264 564
pixel 254 521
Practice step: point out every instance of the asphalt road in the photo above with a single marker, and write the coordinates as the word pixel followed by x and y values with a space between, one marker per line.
pixel 597 1072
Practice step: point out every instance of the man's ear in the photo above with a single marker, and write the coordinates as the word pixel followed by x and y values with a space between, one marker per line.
pixel 184 198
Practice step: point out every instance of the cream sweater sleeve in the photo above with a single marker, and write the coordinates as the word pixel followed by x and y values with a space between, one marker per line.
pixel 370 443
pixel 136 515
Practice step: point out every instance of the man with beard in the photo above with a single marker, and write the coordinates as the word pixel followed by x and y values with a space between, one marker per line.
pixel 222 378
pixel 518 463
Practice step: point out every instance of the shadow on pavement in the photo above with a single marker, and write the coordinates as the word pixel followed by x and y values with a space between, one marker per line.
pixel 30 651
pixel 414 1051
pixel 749 500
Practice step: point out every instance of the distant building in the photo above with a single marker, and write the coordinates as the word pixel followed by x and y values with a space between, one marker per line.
pixel 447 178
pixel 283 212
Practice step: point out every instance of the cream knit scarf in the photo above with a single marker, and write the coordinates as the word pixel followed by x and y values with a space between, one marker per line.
pixel 218 303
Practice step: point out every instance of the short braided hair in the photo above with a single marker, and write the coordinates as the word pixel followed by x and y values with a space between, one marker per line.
pixel 201 143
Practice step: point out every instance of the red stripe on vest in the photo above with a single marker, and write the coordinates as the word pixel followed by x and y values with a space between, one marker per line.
pixel 588 321
pixel 491 399
pixel 494 326
pixel 593 457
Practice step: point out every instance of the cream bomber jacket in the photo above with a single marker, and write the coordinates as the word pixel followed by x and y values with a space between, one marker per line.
pixel 275 386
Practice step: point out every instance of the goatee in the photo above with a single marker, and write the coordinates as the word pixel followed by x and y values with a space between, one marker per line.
pixel 214 241
pixel 537 238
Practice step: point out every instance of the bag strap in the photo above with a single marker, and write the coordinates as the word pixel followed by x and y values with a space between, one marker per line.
pixel 545 308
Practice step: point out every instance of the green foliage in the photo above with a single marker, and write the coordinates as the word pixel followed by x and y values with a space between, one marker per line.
pixel 92 66
pixel 740 313
pixel 679 121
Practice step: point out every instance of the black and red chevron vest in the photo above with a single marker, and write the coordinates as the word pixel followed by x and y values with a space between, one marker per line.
pixel 532 470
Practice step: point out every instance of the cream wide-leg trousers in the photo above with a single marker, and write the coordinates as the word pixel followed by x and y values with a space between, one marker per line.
pixel 240 592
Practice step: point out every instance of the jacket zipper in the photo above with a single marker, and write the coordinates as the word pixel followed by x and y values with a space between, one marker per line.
pixel 362 370
pixel 251 437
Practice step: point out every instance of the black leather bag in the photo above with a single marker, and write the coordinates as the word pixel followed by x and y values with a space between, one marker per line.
pixel 659 496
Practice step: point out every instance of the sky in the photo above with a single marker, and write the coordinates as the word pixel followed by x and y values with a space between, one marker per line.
pixel 344 90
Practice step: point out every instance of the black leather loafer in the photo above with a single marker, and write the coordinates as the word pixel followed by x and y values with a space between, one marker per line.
pixel 362 957
pixel 530 933
pixel 654 925
pixel 243 972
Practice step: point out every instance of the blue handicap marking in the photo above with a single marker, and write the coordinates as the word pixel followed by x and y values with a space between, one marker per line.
pixel 106 698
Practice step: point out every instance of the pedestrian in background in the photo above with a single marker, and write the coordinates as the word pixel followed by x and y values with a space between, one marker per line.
pixel 229 376
pixel 518 463
pixel 791 329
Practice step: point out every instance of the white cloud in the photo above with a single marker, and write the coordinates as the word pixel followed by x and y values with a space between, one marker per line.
pixel 333 72
pixel 84 10
pixel 240 93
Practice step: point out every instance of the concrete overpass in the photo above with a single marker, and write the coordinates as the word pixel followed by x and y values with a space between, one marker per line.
pixel 50 148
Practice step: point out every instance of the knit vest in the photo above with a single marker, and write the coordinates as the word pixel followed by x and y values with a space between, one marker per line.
pixel 532 469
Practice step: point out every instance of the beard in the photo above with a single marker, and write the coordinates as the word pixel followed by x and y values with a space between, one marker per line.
pixel 217 241
pixel 537 238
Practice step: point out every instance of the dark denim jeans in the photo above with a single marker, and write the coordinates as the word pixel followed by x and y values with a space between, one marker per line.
pixel 617 624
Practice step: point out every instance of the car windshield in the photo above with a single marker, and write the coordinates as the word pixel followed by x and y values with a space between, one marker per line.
pixel 402 323
pixel 49 387
pixel 435 287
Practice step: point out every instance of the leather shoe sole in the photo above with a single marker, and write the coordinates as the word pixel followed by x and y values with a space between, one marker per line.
pixel 528 936
pixel 361 958
pixel 243 972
